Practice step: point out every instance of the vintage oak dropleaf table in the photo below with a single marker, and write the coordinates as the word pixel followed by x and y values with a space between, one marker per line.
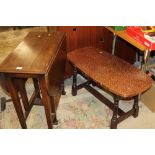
pixel 40 56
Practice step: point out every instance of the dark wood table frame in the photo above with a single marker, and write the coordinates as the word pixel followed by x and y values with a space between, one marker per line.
pixel 88 85
pixel 27 104
pixel 40 94
pixel 36 54
pixel 113 75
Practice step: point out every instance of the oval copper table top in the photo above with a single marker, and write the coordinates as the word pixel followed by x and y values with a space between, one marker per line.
pixel 111 72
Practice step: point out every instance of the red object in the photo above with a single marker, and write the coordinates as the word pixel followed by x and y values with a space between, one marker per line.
pixel 136 33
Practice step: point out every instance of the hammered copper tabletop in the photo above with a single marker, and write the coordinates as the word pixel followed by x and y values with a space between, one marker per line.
pixel 111 72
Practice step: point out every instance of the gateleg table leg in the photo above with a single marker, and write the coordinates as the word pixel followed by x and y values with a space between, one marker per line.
pixel 46 101
pixel 23 93
pixel 36 86
pixel 53 109
pixel 16 102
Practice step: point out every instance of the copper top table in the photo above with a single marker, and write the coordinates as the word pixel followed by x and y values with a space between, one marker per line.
pixel 112 74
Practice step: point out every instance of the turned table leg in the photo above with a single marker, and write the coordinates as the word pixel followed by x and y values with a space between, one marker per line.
pixel 114 120
pixel 74 86
pixel 135 106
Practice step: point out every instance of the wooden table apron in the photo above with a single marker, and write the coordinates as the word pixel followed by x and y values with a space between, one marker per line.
pixel 33 57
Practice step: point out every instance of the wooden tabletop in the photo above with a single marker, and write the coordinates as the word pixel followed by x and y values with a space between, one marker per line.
pixel 122 34
pixel 34 55
pixel 112 73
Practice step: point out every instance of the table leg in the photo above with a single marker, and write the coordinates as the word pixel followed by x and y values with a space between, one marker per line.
pixel 135 106
pixel 23 93
pixel 114 44
pixel 36 86
pixel 74 85
pixel 63 89
pixel 46 101
pixel 146 56
pixel 16 102
pixel 114 120
pixel 53 109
